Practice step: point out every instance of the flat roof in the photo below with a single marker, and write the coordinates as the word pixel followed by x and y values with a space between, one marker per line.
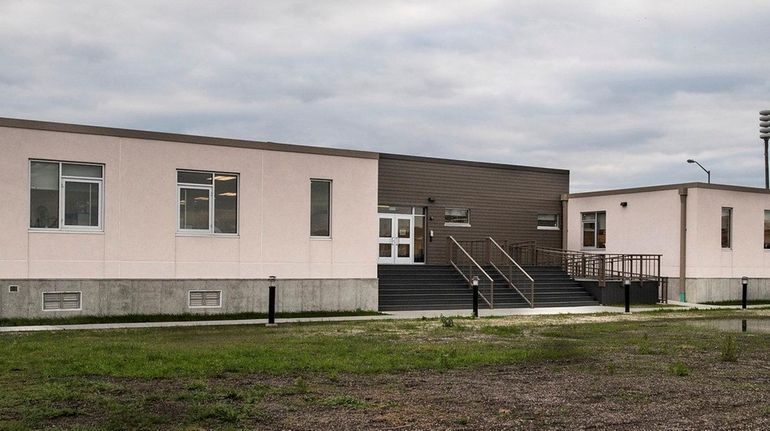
pixel 678 186
pixel 177 137
pixel 473 163
pixel 242 143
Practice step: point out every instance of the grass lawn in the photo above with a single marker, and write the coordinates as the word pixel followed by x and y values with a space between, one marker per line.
pixel 739 302
pixel 646 370
pixel 131 318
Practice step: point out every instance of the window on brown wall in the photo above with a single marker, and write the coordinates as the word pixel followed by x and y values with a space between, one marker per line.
pixel 548 221
pixel 727 222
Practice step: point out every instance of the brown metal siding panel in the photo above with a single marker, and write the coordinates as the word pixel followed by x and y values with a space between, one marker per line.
pixel 504 202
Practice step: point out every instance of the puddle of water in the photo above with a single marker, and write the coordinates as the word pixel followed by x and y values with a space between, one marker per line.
pixel 735 325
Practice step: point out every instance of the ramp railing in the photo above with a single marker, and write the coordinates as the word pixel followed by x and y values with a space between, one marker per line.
pixel 467 266
pixel 602 267
pixel 517 278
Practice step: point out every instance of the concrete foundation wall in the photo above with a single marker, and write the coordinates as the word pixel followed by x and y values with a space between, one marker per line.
pixel 141 296
pixel 701 290
pixel 614 292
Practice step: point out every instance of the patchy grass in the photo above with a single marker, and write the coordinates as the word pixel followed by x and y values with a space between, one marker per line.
pixel 739 302
pixel 138 318
pixel 729 352
pixel 679 369
pixel 325 375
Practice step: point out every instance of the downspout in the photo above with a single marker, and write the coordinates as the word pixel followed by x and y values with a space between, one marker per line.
pixel 564 219
pixel 682 243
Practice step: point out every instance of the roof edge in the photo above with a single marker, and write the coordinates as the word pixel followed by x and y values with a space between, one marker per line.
pixel 472 163
pixel 182 138
pixel 678 186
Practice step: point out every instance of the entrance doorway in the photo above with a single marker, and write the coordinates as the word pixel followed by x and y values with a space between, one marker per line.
pixel 401 235
pixel 396 241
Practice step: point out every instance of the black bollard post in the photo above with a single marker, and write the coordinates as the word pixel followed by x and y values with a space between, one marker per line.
pixel 627 288
pixel 745 283
pixel 271 302
pixel 475 285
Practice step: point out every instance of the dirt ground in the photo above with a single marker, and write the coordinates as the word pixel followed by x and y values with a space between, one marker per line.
pixel 572 396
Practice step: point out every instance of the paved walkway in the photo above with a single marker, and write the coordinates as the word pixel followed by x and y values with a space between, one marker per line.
pixel 390 315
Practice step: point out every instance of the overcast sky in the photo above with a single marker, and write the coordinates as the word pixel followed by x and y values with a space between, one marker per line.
pixel 619 93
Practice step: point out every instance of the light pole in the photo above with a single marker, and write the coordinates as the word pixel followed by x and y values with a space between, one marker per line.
pixel 701 166
pixel 764 134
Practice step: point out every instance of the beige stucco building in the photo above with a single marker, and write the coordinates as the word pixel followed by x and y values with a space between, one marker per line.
pixel 112 221
pixel 709 235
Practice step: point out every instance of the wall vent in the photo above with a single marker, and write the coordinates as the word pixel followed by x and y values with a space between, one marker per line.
pixel 205 299
pixel 53 301
pixel 13 288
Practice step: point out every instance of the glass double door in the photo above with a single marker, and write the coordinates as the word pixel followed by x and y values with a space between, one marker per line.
pixel 396 240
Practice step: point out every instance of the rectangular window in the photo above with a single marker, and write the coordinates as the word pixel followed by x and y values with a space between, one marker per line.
pixel 594 229
pixel 548 221
pixel 767 230
pixel 205 299
pixel 727 223
pixel 320 208
pixel 457 217
pixel 208 202
pixel 53 301
pixel 65 195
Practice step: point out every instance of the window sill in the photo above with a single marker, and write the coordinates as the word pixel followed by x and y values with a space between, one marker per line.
pixel 62 231
pixel 320 238
pixel 457 224
pixel 547 228
pixel 207 235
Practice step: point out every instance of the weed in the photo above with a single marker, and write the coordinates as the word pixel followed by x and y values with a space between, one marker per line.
pixel 645 348
pixel 729 351
pixel 679 368
pixel 447 322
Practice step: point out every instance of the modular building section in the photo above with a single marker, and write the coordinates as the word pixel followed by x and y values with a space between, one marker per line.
pixel 709 235
pixel 424 200
pixel 113 221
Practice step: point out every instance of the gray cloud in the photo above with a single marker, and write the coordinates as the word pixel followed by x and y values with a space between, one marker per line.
pixel 620 93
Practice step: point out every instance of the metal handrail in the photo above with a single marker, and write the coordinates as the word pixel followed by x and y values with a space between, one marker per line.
pixel 595 266
pixel 511 264
pixel 453 245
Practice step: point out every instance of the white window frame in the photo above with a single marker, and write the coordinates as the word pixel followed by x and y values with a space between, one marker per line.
pixel 310 209
pixel 558 222
pixel 596 230
pixel 212 196
pixel 452 224
pixel 63 179
pixel 42 301
pixel 221 298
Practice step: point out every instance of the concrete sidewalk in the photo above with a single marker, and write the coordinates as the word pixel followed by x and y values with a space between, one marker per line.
pixel 389 316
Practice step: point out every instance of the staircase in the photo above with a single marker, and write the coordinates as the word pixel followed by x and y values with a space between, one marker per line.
pixel 440 287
